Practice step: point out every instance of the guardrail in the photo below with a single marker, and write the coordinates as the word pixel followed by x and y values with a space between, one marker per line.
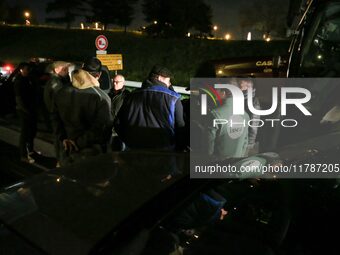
pixel 137 84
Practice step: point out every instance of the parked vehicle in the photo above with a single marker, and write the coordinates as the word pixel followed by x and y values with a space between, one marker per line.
pixel 146 203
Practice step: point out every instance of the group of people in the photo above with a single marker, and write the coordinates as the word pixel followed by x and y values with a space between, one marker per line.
pixel 88 121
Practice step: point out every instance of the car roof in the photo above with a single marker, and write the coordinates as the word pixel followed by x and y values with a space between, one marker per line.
pixel 75 207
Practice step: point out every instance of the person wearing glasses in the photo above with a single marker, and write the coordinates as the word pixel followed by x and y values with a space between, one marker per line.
pixel 117 94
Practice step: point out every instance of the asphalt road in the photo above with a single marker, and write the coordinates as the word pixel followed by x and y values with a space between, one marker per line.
pixel 13 170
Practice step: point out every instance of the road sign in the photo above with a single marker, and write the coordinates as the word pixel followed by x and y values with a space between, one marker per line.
pixel 101 42
pixel 112 61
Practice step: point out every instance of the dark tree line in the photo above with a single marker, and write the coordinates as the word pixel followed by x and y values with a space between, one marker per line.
pixel 118 12
pixel 66 10
pixel 175 18
pixel 265 16
pixel 14 14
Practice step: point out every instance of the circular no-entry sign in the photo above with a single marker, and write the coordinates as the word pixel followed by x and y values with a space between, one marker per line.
pixel 101 42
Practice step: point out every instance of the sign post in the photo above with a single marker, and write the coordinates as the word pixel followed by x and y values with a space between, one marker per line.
pixel 101 43
pixel 113 62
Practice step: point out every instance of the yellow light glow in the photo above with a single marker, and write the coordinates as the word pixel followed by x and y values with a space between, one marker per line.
pixel 227 36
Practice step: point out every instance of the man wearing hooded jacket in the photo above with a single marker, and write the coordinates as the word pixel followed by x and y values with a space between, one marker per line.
pixel 152 117
pixel 84 120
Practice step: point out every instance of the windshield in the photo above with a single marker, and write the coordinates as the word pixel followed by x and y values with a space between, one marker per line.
pixel 321 51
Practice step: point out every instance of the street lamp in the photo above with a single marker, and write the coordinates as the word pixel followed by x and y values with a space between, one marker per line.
pixel 227 36
pixel 215 28
pixel 27 15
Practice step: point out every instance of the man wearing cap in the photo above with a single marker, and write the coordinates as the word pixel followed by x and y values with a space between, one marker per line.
pixel 85 120
pixel 152 117
pixel 58 79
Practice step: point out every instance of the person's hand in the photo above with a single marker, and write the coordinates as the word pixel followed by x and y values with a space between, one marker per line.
pixel 224 213
pixel 70 145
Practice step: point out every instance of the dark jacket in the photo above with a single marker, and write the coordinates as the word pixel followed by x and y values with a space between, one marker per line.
pixel 151 118
pixel 53 85
pixel 25 94
pixel 117 99
pixel 83 114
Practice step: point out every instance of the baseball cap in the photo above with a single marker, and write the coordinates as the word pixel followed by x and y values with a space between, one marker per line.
pixel 161 70
pixel 92 64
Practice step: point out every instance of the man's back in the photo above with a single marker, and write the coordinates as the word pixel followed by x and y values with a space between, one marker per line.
pixel 149 117
pixel 84 113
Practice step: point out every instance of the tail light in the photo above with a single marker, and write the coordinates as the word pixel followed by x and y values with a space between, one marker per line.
pixel 8 68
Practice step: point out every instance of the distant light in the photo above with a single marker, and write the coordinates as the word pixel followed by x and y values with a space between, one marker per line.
pixel 144 27
pixel 227 36
pixel 215 28
pixel 96 25
pixel 27 14
pixel 8 68
pixel 264 36
pixel 27 22
pixel 268 39
pixel 82 25
pixel 220 72
pixel 319 57
pixel 188 34
pixel 155 22
pixel 249 36
pixel 58 179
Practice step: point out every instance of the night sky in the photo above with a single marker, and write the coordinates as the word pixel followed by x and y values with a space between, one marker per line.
pixel 225 13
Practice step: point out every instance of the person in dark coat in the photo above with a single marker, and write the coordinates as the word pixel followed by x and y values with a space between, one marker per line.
pixel 83 119
pixel 26 100
pixel 152 117
pixel 117 94
pixel 59 78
